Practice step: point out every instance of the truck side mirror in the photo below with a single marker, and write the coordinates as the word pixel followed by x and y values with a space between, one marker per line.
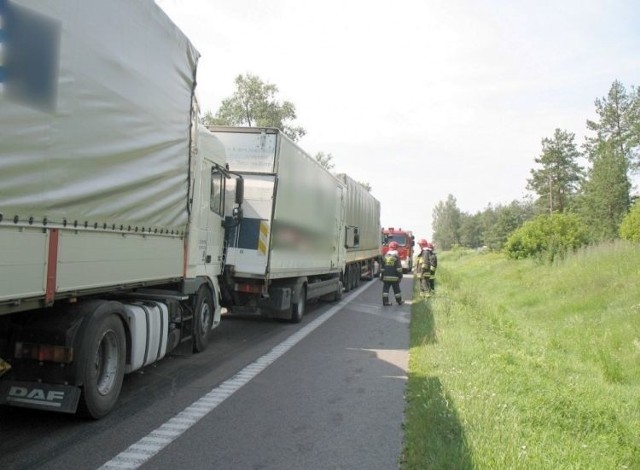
pixel 239 190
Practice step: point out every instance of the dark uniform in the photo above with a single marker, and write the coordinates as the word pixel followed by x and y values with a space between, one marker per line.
pixel 424 271
pixel 391 277
pixel 433 264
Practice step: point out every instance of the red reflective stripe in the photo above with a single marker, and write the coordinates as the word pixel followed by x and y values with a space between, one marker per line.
pixel 52 266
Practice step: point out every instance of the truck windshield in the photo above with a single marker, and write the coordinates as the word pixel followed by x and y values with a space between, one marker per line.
pixel 399 239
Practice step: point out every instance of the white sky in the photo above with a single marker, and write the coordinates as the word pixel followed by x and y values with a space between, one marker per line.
pixel 422 98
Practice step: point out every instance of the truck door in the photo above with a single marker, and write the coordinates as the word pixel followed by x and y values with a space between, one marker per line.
pixel 211 236
pixel 249 243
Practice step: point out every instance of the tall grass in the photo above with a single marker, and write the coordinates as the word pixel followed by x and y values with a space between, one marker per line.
pixel 520 365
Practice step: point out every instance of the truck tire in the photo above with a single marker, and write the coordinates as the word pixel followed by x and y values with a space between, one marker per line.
pixel 297 309
pixel 370 268
pixel 347 279
pixel 104 366
pixel 337 297
pixel 202 319
pixel 352 277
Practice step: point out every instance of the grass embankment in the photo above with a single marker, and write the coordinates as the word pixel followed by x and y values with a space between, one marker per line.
pixel 518 365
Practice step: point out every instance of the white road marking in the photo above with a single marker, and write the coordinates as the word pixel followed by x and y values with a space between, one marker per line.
pixel 150 445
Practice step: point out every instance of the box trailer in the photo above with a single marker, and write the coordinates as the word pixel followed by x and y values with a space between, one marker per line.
pixel 112 201
pixel 289 246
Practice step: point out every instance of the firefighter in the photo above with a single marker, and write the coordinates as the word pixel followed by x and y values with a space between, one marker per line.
pixel 391 274
pixel 423 269
pixel 433 265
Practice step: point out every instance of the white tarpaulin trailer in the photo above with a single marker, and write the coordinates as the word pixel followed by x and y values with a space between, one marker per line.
pixel 96 117
pixel 111 201
pixel 362 233
pixel 111 143
pixel 362 221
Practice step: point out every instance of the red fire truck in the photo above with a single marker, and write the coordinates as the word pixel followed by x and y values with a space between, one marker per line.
pixel 405 241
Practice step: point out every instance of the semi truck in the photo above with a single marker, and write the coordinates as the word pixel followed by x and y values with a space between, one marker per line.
pixel 125 226
pixel 362 234
pixel 112 201
pixel 406 242
pixel 289 246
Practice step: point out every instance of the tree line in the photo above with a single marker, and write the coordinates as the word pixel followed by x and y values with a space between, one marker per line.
pixel 587 186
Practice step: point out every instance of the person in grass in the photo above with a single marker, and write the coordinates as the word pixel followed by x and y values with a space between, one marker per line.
pixel 423 267
pixel 433 265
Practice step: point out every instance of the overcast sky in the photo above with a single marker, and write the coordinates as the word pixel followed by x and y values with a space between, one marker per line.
pixel 422 98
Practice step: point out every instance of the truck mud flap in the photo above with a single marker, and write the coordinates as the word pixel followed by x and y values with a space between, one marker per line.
pixel 60 398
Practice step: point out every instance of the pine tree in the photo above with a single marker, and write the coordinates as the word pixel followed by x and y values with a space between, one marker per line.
pixel 559 177
pixel 618 124
pixel 612 151
pixel 605 200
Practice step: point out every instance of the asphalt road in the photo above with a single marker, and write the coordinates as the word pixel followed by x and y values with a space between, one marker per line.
pixel 332 398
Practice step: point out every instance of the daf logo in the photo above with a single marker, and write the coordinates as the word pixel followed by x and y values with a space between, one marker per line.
pixel 52 398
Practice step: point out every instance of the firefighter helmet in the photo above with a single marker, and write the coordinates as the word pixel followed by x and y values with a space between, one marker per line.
pixel 423 243
pixel 393 245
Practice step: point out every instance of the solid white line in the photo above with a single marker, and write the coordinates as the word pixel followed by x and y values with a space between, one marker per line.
pixel 165 434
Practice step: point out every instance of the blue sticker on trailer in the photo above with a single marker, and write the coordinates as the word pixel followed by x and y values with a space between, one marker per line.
pixel 3 6
pixel 31 43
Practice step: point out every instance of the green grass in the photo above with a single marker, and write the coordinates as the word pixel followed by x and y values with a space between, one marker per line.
pixel 521 365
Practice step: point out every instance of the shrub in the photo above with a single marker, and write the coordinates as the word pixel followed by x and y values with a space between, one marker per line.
pixel 547 237
pixel 630 226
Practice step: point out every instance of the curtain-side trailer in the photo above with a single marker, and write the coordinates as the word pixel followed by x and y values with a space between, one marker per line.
pixel 289 246
pixel 111 201
pixel 362 233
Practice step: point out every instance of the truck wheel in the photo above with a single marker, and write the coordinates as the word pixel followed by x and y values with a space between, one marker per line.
pixel 369 276
pixel 202 319
pixel 347 279
pixel 352 277
pixel 297 309
pixel 104 367
pixel 338 295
